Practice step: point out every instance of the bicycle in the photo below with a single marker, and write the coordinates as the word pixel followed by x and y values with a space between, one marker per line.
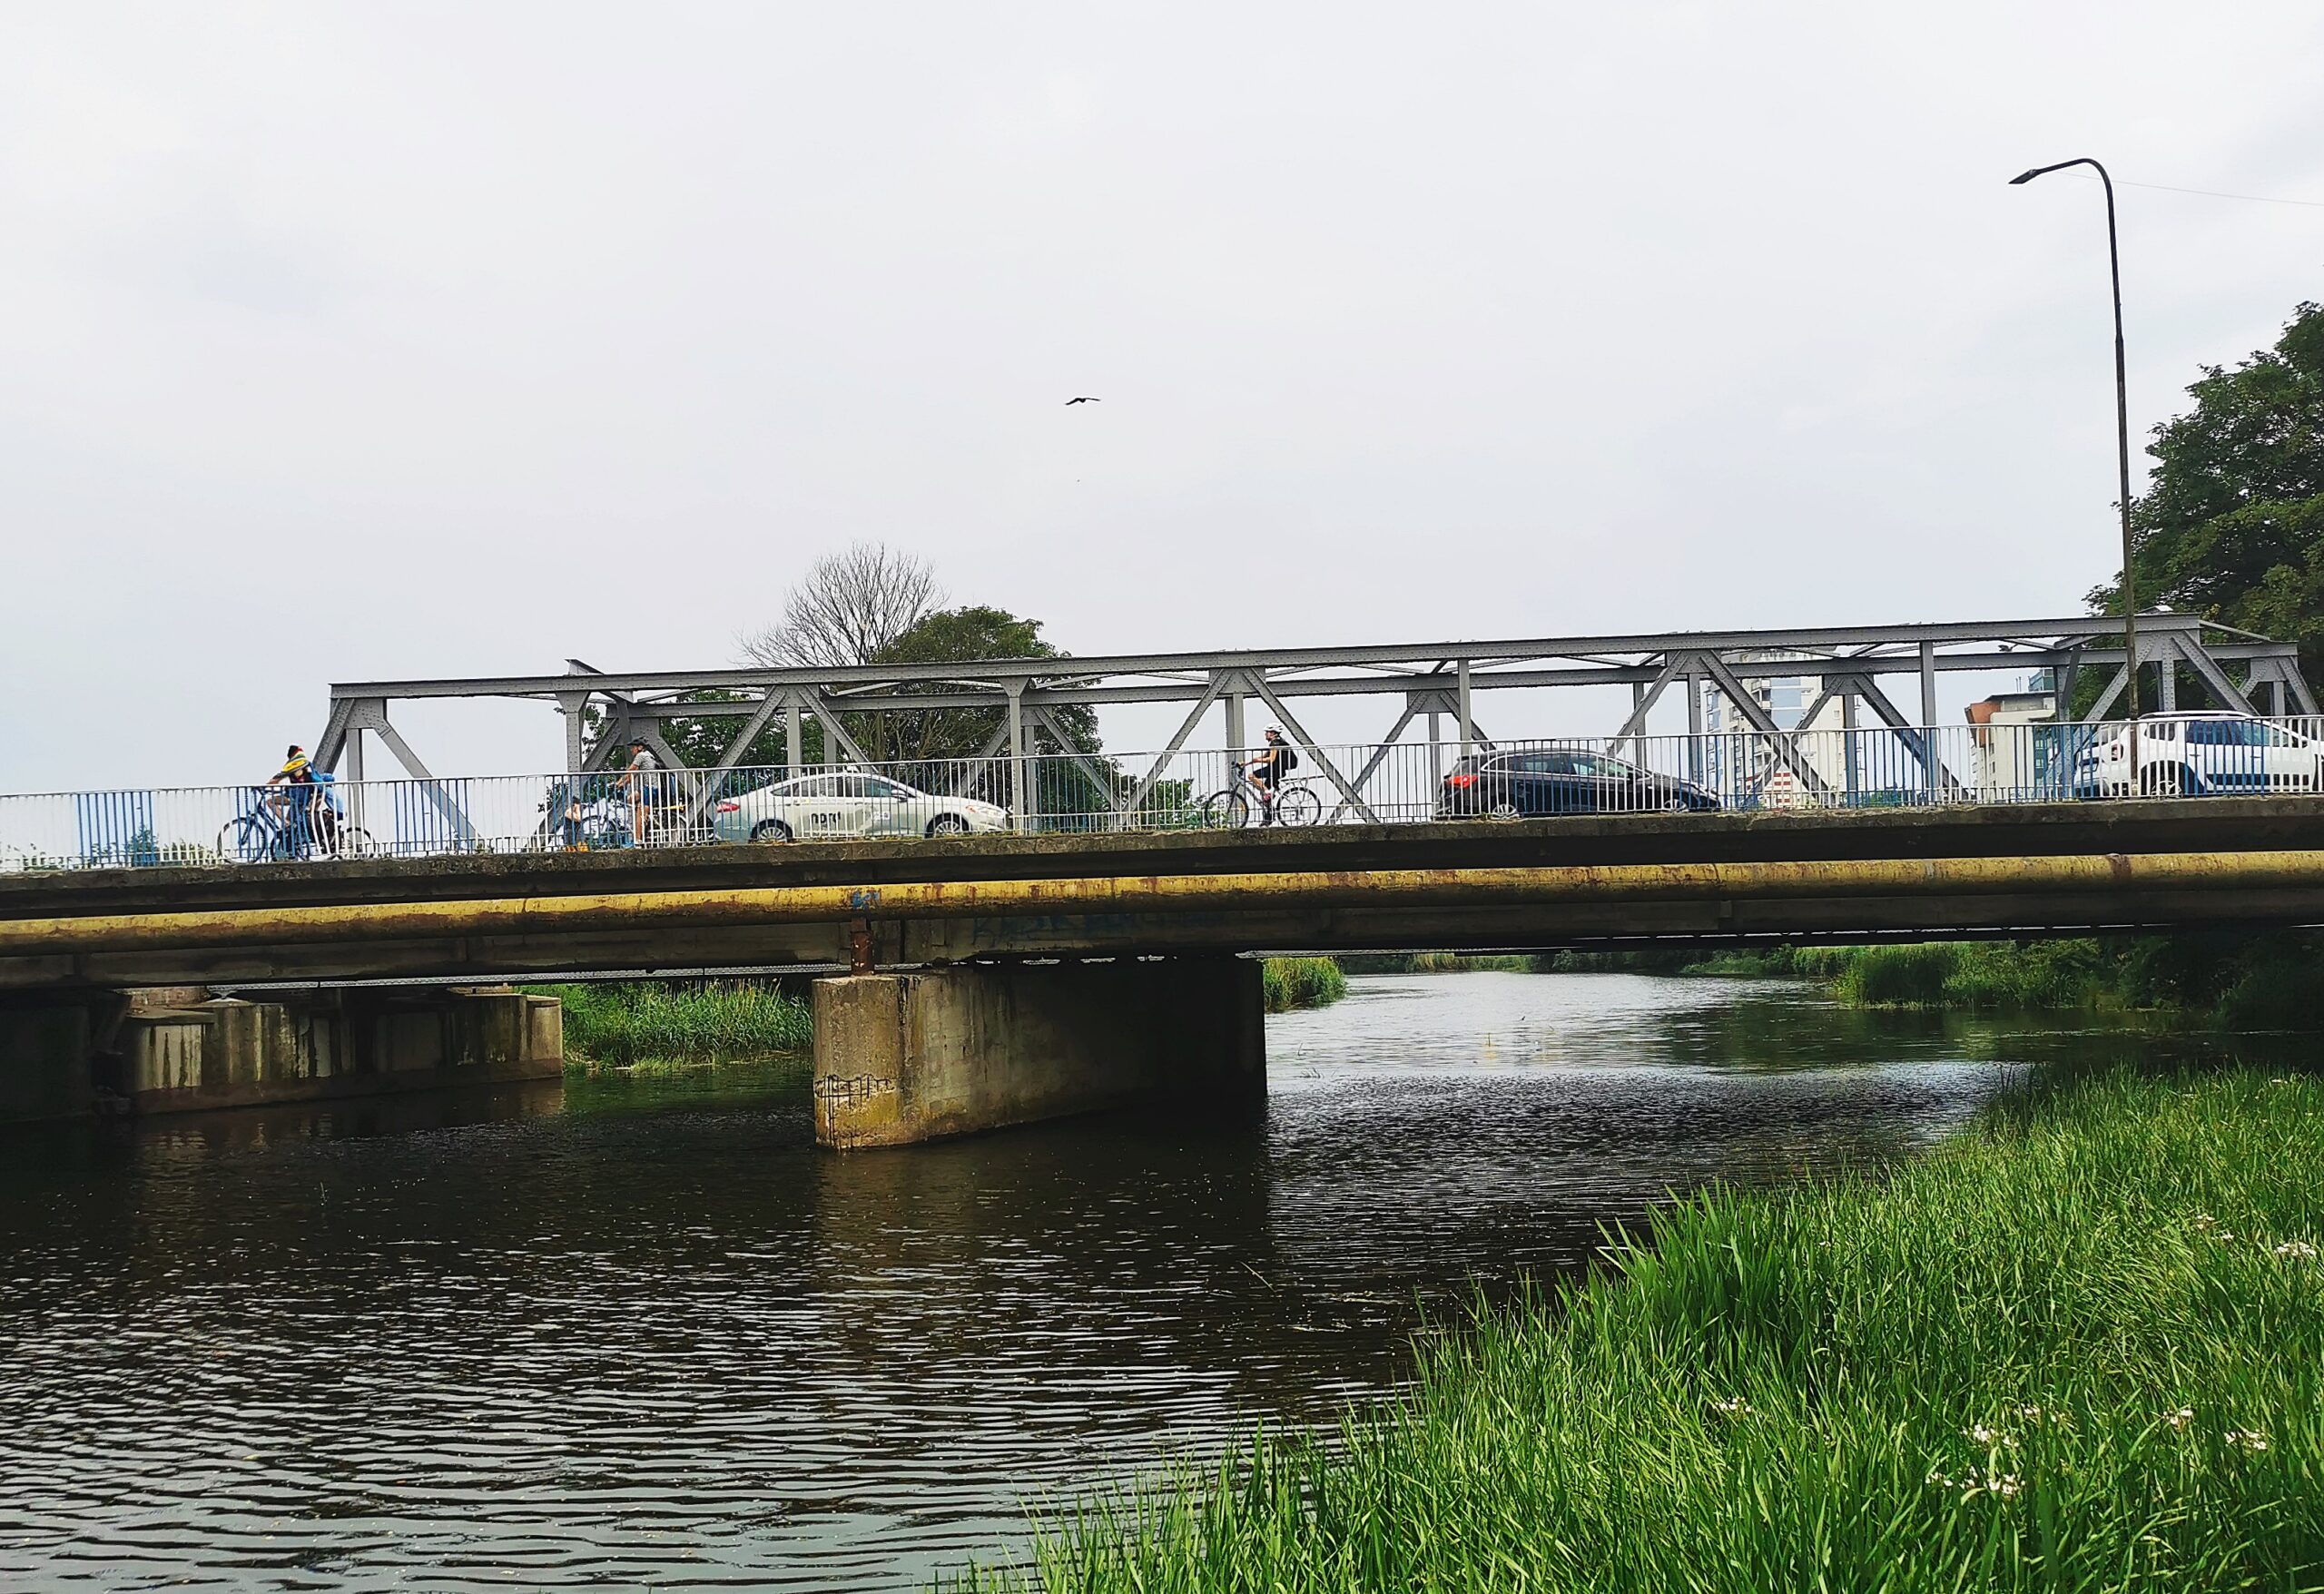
pixel 280 824
pixel 607 821
pixel 1295 804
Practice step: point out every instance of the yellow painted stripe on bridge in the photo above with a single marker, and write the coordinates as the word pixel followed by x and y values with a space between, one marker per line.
pixel 1288 889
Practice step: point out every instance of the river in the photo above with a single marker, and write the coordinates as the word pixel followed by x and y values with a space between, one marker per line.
pixel 642 1332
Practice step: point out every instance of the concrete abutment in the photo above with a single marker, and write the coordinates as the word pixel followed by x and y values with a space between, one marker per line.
pixel 182 1051
pixel 901 1058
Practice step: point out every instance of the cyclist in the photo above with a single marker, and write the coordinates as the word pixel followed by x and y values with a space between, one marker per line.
pixel 641 782
pixel 294 804
pixel 1268 771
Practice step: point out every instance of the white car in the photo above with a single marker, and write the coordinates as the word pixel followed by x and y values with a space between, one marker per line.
pixel 840 806
pixel 2196 754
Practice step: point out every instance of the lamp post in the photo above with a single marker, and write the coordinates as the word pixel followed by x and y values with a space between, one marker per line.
pixel 2123 436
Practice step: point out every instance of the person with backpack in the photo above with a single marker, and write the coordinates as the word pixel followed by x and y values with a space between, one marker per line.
pixel 1270 770
pixel 293 805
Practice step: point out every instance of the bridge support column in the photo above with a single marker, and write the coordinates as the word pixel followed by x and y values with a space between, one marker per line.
pixel 901 1058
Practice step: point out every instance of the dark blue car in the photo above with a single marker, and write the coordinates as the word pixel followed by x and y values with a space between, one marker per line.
pixel 1529 781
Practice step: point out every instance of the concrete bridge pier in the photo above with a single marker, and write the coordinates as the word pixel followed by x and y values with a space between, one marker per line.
pixel 900 1058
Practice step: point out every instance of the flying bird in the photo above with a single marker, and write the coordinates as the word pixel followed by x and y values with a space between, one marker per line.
pixel 1084 399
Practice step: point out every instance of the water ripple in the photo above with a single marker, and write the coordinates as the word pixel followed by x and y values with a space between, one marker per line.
pixel 649 1334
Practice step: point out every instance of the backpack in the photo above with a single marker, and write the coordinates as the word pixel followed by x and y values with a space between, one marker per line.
pixel 1290 759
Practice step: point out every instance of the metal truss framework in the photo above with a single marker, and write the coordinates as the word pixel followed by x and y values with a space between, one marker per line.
pixel 1433 681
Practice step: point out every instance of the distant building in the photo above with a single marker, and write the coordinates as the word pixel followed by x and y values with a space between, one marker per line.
pixel 1744 763
pixel 2016 749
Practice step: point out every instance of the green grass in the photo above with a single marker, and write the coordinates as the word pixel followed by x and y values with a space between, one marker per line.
pixel 2078 1349
pixel 2238 980
pixel 1976 975
pixel 1302 982
pixel 2234 979
pixel 650 1024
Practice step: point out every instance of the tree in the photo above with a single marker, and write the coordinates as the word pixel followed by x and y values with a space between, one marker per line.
pixel 848 609
pixel 960 636
pixel 2232 526
pixel 832 617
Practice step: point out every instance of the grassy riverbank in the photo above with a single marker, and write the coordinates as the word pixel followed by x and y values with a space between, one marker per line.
pixel 624 1024
pixel 2239 980
pixel 1302 982
pixel 2083 1348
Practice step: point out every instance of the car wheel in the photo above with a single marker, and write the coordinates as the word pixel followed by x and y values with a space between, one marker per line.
pixel 770 830
pixel 2176 780
pixel 948 824
pixel 1503 809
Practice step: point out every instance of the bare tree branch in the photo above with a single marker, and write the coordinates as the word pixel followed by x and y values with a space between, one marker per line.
pixel 848 609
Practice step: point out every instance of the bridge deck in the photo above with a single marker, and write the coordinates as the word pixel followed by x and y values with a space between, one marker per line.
pixel 1314 890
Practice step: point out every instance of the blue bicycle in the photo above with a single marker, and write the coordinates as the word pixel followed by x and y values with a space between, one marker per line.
pixel 284 824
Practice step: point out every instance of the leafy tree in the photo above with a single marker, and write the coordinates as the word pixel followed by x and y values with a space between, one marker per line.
pixel 919 746
pixel 700 743
pixel 920 743
pixel 960 636
pixel 2232 526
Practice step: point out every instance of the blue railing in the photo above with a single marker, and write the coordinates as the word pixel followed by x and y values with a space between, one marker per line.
pixel 2173 757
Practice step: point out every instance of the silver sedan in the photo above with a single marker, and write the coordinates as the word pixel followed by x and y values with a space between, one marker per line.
pixel 841 806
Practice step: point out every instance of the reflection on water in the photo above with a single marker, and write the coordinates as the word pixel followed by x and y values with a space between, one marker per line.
pixel 644 1331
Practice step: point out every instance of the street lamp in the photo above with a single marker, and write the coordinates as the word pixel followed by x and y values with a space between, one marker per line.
pixel 2123 430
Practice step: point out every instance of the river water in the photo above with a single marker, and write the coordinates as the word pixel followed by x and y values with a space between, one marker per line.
pixel 642 1332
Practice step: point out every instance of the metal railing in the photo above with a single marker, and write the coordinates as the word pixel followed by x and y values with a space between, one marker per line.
pixel 1394 783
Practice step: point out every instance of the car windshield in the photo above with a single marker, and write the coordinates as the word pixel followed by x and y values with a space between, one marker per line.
pixel 2227 734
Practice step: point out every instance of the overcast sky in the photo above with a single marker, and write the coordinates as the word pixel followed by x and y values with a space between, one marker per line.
pixel 353 342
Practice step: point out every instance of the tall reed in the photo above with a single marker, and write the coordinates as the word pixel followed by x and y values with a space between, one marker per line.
pixel 1302 982
pixel 642 1022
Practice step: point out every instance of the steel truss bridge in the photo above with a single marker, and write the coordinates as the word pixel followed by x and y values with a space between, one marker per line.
pixel 1430 683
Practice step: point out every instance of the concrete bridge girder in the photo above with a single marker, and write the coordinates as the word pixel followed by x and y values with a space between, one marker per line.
pixel 2155 861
